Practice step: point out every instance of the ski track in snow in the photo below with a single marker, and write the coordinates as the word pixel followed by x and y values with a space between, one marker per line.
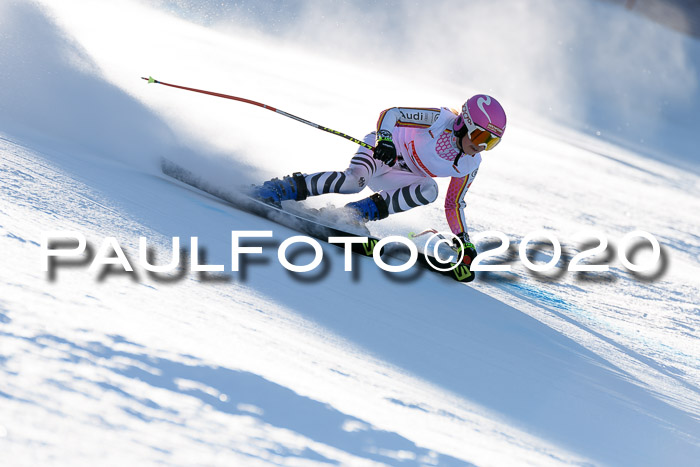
pixel 120 385
pixel 69 346
pixel 270 368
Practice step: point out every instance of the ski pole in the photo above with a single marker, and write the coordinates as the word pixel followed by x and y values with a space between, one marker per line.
pixel 268 107
pixel 413 236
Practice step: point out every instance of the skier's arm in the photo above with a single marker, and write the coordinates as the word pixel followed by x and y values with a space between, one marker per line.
pixel 454 203
pixel 454 211
pixel 385 149
pixel 406 116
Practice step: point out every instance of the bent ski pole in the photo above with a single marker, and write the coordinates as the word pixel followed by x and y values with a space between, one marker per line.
pixel 268 107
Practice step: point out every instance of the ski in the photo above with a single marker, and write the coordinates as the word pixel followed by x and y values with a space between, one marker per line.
pixel 302 223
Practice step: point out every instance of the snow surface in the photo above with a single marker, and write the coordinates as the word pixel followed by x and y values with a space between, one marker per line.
pixel 365 368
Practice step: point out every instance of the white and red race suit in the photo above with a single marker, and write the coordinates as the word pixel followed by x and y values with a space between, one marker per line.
pixel 426 148
pixel 427 145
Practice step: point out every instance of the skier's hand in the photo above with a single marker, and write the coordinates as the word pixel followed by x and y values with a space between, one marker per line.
pixel 384 148
pixel 462 244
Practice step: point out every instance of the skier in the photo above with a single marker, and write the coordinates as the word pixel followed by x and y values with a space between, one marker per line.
pixel 412 146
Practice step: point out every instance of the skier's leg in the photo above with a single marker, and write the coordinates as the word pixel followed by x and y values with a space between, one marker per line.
pixel 362 168
pixel 299 186
pixel 402 199
pixel 393 199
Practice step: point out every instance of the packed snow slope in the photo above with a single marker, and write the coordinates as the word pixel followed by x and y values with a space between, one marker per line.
pixel 263 366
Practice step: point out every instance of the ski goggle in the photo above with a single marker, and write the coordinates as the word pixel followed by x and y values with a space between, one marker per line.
pixel 478 135
pixel 485 138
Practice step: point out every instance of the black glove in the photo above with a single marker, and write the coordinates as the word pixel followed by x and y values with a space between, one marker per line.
pixel 384 149
pixel 462 244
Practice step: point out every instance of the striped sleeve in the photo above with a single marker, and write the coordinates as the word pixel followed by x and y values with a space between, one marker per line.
pixel 454 203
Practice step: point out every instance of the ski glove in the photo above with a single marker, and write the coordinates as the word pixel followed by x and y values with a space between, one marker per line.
pixel 462 244
pixel 384 148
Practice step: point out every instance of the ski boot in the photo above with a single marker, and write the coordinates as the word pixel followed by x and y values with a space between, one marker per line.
pixel 275 191
pixel 373 208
